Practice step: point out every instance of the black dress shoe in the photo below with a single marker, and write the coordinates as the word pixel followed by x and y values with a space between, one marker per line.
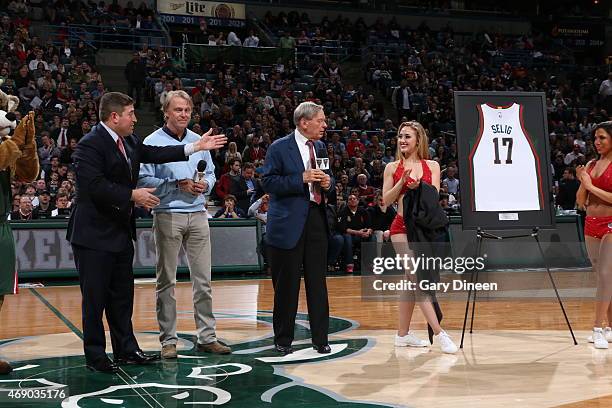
pixel 324 349
pixel 284 350
pixel 103 365
pixel 5 367
pixel 137 357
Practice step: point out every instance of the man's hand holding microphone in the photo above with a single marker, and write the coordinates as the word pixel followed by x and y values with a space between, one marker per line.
pixel 317 176
pixel 198 185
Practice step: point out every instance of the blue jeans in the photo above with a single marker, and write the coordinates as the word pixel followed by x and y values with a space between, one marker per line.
pixel 334 247
pixel 349 242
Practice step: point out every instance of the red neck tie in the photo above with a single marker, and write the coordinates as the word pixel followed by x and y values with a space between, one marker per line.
pixel 316 187
pixel 120 146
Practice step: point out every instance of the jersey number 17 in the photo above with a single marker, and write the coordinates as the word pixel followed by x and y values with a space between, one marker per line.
pixel 506 141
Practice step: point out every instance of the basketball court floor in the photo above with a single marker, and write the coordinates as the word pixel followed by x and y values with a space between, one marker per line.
pixel 520 354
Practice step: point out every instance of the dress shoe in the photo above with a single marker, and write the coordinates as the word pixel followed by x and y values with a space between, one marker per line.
pixel 215 347
pixel 284 350
pixel 137 357
pixel 323 349
pixel 103 365
pixel 5 367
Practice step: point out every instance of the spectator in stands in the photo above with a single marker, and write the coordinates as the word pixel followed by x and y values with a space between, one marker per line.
pixel 366 192
pixel 605 92
pixel 354 145
pixel 357 169
pixel 355 225
pixel 47 150
pixel 225 185
pixel 253 151
pixel 45 206
pixel 33 65
pixel 252 40
pixel 40 186
pixel 451 181
pixel 231 154
pixel 24 211
pixel 62 206
pixel 135 75
pixel 63 134
pixel 28 93
pixel 246 189
pixel 259 211
pixel 401 101
pixel 66 155
pixel 571 158
pixel 232 39
pixel 229 209
pixel 568 187
pixel 30 191
pixel 381 217
pixel 286 41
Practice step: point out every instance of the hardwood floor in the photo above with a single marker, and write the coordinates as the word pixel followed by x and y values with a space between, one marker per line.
pixel 520 353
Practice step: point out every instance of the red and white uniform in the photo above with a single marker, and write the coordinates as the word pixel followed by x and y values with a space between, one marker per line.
pixel 504 166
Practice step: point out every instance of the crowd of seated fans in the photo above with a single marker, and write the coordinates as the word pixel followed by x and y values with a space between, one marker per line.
pixel 111 14
pixel 253 105
pixel 58 80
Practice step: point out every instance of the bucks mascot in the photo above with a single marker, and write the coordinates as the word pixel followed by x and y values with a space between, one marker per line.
pixel 18 161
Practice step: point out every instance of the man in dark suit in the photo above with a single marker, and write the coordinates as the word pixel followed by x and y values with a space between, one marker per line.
pixel 297 230
pixel 102 225
pixel 63 134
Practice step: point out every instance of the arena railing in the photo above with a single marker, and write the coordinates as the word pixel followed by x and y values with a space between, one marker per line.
pixel 335 49
pixel 196 54
pixel 110 36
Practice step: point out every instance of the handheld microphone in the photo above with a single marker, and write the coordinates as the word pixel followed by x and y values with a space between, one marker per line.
pixel 199 175
pixel 322 159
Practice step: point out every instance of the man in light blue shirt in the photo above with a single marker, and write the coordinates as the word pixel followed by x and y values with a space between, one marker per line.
pixel 180 220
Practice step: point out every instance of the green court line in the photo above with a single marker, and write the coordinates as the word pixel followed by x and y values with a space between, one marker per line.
pixel 59 314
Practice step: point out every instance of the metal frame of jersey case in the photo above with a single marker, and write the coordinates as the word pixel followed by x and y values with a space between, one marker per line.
pixel 535 127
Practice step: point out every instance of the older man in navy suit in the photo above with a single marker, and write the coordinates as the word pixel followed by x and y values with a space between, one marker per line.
pixel 296 231
pixel 102 225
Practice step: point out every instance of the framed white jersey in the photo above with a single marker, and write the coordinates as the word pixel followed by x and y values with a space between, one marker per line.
pixel 504 166
pixel 504 160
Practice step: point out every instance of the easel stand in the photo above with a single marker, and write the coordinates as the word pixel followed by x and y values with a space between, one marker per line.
pixel 480 236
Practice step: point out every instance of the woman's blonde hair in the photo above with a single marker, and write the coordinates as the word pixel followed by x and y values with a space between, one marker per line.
pixel 422 141
pixel 232 145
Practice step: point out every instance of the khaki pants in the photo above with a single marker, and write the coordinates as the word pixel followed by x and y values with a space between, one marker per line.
pixel 190 231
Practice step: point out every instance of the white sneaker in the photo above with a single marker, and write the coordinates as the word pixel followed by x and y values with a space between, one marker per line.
pixel 607 335
pixel 410 340
pixel 446 343
pixel 599 339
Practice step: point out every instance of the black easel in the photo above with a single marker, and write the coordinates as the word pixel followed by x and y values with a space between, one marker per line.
pixel 480 235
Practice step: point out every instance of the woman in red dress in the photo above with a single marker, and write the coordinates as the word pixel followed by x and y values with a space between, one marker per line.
pixel 410 169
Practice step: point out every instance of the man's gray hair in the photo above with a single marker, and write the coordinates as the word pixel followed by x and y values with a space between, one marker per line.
pixel 305 110
pixel 176 94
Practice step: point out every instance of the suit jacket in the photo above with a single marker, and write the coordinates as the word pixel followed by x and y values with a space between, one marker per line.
pixel 103 214
pixel 289 195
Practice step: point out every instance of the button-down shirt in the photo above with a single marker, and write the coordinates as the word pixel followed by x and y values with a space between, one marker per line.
pixel 305 153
